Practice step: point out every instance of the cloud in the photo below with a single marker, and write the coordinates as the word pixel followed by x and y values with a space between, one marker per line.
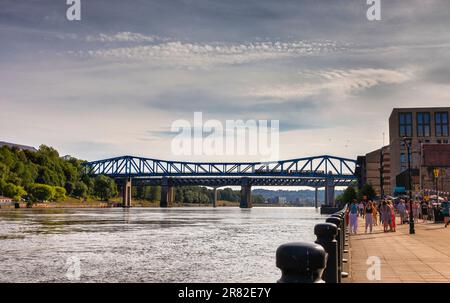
pixel 183 54
pixel 121 37
pixel 339 82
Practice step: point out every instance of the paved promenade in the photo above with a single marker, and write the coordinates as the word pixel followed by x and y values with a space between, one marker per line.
pixel 423 257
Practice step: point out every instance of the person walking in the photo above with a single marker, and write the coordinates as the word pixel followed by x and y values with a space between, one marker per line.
pixel 375 214
pixel 368 216
pixel 401 208
pixel 385 213
pixel 392 213
pixel 361 208
pixel 353 215
pixel 379 211
pixel 415 211
pixel 424 207
pixel 446 211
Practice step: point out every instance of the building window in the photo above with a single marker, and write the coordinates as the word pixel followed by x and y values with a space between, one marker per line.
pixel 403 162
pixel 423 124
pixel 404 157
pixel 405 124
pixel 441 121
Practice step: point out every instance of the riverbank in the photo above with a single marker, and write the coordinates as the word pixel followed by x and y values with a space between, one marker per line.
pixel 75 203
pixel 422 257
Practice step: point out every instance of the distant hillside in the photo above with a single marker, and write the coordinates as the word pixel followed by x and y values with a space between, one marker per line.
pixel 305 196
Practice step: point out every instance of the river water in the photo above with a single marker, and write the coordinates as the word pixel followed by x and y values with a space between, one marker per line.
pixel 224 244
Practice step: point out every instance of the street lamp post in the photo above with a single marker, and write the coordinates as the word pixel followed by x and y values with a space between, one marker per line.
pixel 436 185
pixel 407 143
pixel 381 174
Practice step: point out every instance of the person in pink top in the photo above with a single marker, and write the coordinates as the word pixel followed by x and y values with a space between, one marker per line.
pixel 393 226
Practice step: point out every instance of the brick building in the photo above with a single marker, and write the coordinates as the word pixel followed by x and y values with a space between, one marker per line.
pixel 435 157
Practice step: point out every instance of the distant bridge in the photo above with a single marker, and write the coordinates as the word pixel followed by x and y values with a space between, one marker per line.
pixel 320 171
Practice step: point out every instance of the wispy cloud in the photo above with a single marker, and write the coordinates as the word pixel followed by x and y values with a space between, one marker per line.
pixel 337 81
pixel 184 54
pixel 122 37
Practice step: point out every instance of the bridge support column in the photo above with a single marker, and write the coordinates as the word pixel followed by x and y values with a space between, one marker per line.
pixel 167 193
pixel 329 192
pixel 316 197
pixel 126 193
pixel 246 193
pixel 214 196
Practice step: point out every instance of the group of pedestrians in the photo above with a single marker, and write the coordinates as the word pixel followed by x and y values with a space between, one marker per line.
pixel 368 210
pixel 385 211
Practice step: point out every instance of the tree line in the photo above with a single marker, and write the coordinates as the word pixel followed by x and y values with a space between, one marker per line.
pixel 43 175
pixel 191 194
pixel 351 193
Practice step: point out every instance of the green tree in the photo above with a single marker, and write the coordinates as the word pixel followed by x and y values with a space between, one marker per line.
pixel 60 194
pixel 4 171
pixel 228 194
pixel 47 176
pixel 156 193
pixel 25 168
pixel 16 192
pixel 69 187
pixel 258 199
pixel 104 187
pixel 348 195
pixel 367 190
pixel 42 192
pixel 80 190
pixel 179 194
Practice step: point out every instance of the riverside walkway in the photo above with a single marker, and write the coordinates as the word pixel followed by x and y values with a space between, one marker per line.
pixel 422 257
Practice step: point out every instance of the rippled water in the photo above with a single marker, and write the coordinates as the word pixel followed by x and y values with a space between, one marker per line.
pixel 149 244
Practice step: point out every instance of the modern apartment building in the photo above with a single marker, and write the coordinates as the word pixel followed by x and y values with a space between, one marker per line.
pixel 428 125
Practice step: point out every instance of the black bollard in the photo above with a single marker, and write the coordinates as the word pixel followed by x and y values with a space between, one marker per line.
pixel 342 244
pixel 341 222
pixel 326 233
pixel 301 262
pixel 343 239
pixel 337 222
pixel 342 227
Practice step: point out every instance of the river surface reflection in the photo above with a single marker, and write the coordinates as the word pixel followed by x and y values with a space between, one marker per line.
pixel 223 244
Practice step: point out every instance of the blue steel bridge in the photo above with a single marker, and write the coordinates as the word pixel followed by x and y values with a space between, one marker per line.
pixel 317 172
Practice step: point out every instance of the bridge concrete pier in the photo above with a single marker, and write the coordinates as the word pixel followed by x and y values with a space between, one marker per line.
pixel 329 191
pixel 246 193
pixel 126 193
pixel 167 192
pixel 316 197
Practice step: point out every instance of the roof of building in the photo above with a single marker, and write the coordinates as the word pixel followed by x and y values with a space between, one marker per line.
pixel 417 109
pixel 420 108
pixel 376 154
pixel 19 146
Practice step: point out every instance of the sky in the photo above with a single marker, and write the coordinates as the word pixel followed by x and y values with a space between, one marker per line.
pixel 114 82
